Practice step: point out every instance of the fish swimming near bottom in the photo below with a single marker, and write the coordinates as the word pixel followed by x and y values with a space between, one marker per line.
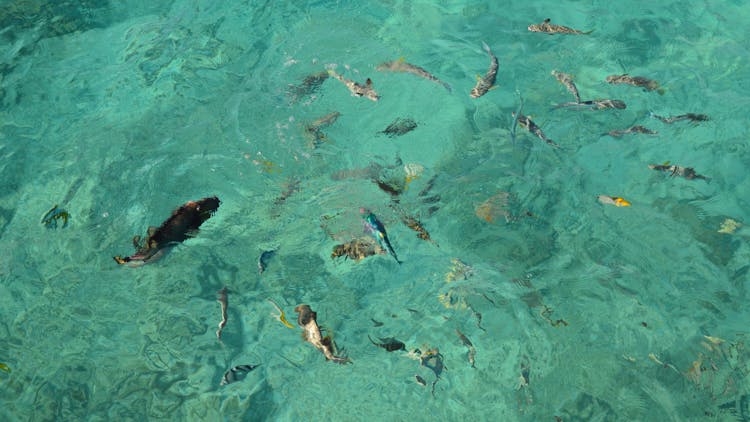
pixel 598 104
pixel 632 129
pixel 550 28
pixel 639 81
pixel 357 89
pixel 686 172
pixel 399 127
pixel 433 360
pixel 236 373
pixel 529 125
pixel 389 344
pixel 401 65
pixel 567 81
pixel 309 85
pixel 486 82
pixel 180 226
pixel 693 117
pixel 306 319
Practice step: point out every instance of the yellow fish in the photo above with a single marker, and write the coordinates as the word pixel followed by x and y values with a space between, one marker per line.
pixel 5 367
pixel 281 316
pixel 613 200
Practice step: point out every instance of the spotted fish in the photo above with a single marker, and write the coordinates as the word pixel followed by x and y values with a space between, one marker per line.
pixel 236 373
pixel 486 82
pixel 529 125
pixel 401 65
pixel 550 28
pixel 357 89
pixel 567 81
pixel 632 129
pixel 639 81
pixel 693 117
pixel 686 172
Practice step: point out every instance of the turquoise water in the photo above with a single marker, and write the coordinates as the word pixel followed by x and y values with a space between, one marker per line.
pixel 120 112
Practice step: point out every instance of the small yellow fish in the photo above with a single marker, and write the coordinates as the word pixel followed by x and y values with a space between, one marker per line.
pixel 613 200
pixel 281 316
pixel 5 367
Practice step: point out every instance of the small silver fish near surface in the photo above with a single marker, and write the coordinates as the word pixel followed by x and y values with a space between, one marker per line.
pixel 567 81
pixel 486 82
pixel 550 28
pixel 693 117
pixel 598 104
pixel 357 89
pixel 686 172
pixel 401 65
pixel 236 373
pixel 632 129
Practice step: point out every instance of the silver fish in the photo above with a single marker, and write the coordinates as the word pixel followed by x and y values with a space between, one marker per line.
pixel 357 89
pixel 686 172
pixel 567 81
pixel 632 129
pixel 236 373
pixel 486 82
pixel 529 125
pixel 550 28
pixel 693 117
pixel 401 65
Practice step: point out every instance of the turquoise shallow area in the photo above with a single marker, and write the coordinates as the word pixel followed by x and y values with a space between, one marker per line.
pixel 119 112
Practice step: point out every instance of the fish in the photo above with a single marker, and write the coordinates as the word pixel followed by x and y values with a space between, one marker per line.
pixel 221 297
pixel 399 127
pixel 550 28
pixel 693 117
pixel 4 367
pixel 613 200
pixel 639 81
pixel 358 249
pixel 376 323
pixel 417 226
pixel 466 342
pixel 389 343
pixel 180 226
pixel 376 228
pixel 49 219
pixel 632 129
pixel 686 172
pixel 357 89
pixel 598 104
pixel 236 373
pixel 421 381
pixel 313 130
pixel 433 360
pixel 309 85
pixel 264 259
pixel 529 125
pixel 567 81
pixel 307 320
pixel 401 65
pixel 281 316
pixel 486 82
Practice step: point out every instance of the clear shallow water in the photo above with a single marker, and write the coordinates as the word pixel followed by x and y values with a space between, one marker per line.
pixel 120 113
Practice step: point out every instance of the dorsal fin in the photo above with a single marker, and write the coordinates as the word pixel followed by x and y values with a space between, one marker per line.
pixel 368 83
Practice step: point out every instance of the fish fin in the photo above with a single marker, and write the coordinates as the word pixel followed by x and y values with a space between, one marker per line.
pixel 368 83
pixel 401 59
pixel 486 47
pixel 120 260
pixel 587 32
pixel 666 163
pixel 479 77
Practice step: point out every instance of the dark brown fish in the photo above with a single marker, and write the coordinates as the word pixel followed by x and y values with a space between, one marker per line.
pixel 358 249
pixel 639 81
pixel 417 226
pixel 389 343
pixel 686 172
pixel 693 117
pixel 309 86
pixel 599 104
pixel 313 131
pixel 486 82
pixel 567 81
pixel 550 28
pixel 181 225
pixel 529 125
pixel 632 129
pixel 399 127
pixel 466 342
pixel 307 320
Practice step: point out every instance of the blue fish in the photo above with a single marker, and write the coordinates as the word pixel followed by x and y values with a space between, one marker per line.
pixel 376 228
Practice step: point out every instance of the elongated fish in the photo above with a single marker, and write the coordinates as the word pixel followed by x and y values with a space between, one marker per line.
pixel 401 65
pixel 307 320
pixel 567 81
pixel 376 228
pixel 639 81
pixel 693 117
pixel 466 342
pixel 686 172
pixel 181 225
pixel 236 373
pixel 309 85
pixel 599 104
pixel 550 28
pixel 529 125
pixel 486 82
pixel 357 89
pixel 632 129
pixel 221 297
pixel 389 343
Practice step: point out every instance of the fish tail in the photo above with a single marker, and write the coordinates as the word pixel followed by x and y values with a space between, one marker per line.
pixel 447 86
pixel 587 32
pixel 486 48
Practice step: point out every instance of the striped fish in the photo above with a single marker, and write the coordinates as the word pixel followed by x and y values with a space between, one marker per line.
pixel 236 373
